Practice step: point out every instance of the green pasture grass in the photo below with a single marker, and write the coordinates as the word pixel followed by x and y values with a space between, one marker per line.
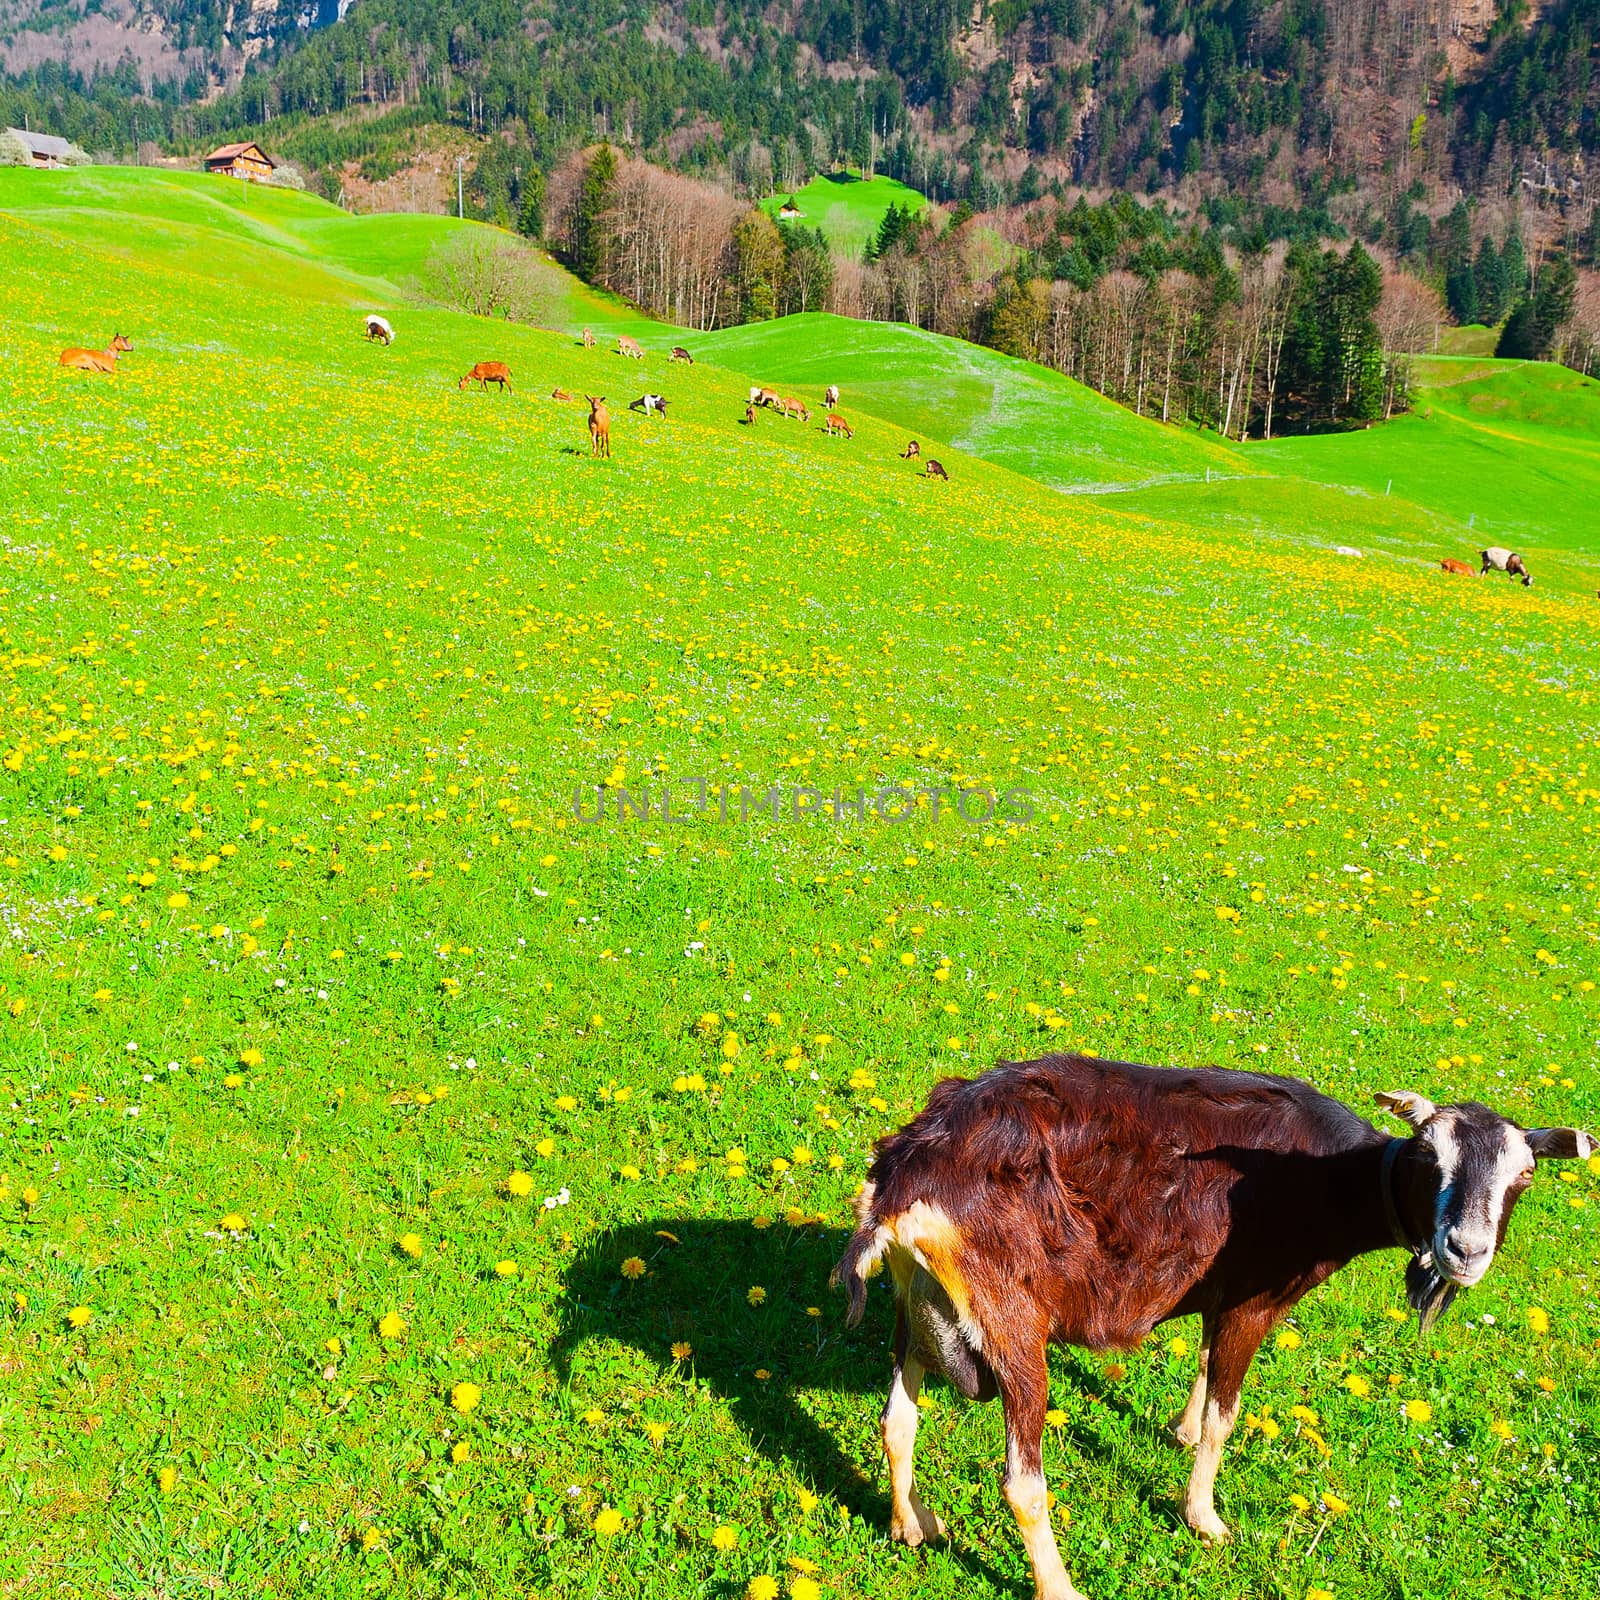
pixel 1471 339
pixel 847 207
pixel 314 990
pixel 282 242
pixel 1507 452
pixel 1026 417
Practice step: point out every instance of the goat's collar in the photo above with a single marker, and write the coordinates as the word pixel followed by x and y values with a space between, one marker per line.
pixel 1391 1154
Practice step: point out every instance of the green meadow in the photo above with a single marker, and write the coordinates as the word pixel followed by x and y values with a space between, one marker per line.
pixel 469 909
pixel 847 207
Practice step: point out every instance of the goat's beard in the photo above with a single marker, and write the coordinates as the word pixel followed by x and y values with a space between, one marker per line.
pixel 1428 1290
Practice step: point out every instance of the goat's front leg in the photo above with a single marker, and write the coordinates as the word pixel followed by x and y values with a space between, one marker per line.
pixel 1233 1346
pixel 1025 1394
pixel 1186 1425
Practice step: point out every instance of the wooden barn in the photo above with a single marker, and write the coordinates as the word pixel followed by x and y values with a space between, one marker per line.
pixel 44 149
pixel 247 160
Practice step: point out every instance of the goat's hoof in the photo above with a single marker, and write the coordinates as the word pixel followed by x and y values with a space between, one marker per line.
pixel 1210 1527
pixel 1186 1433
pixel 921 1527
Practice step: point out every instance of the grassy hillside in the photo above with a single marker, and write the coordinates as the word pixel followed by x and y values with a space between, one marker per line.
pixel 414 1185
pixel 847 207
pixel 1026 417
pixel 1510 447
pixel 275 241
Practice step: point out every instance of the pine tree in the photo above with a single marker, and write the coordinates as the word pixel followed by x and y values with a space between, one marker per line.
pixel 590 244
pixel 1489 279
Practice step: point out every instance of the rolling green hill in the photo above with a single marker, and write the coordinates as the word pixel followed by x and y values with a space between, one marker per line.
pixel 469 909
pixel 1503 451
pixel 270 239
pixel 1031 419
pixel 847 207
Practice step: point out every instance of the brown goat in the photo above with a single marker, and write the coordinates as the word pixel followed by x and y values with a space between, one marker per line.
pixel 561 395
pixel 935 469
pixel 629 347
pixel 487 372
pixel 749 416
pixel 790 407
pixel 587 340
pixel 599 427
pixel 1460 568
pixel 680 354
pixel 833 423
pixel 1079 1201
pixel 911 451
pixel 96 360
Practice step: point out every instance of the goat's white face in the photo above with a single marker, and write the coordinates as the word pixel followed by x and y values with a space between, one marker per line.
pixel 1482 1165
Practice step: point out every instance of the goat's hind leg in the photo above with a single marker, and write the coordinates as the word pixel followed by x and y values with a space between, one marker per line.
pixel 912 1522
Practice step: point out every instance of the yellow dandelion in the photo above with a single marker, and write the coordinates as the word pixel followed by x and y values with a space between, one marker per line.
pixel 233 1223
pixel 167 1479
pixel 1538 1320
pixel 505 1269
pixel 459 1451
pixel 519 1184
pixel 633 1267
pixel 609 1523
pixel 804 1588
pixel 756 1295
pixel 391 1325
pixel 682 1350
pixel 1287 1339
pixel 410 1245
pixel 1357 1385
pixel 1418 1411
pixel 79 1317
pixel 761 1587
pixel 465 1397
pixel 725 1538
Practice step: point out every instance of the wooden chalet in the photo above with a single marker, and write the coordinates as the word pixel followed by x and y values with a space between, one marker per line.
pixel 44 149
pixel 246 160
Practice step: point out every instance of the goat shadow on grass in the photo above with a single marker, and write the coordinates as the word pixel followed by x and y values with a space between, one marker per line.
pixel 696 1289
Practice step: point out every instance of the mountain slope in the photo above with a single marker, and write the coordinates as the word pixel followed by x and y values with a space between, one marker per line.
pixel 1032 419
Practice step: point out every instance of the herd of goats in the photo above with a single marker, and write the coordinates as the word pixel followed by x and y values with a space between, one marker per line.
pixel 1494 559
pixel 655 405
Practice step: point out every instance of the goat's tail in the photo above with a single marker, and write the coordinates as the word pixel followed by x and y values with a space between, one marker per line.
pixel 862 1254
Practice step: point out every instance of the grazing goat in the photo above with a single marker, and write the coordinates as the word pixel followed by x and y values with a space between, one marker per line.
pixel 378 328
pixel 587 340
pixel 1348 550
pixel 935 469
pixel 1509 562
pixel 750 415
pixel 599 427
pixel 680 354
pixel 911 451
pixel 1083 1202
pixel 561 395
pixel 1460 568
pixel 652 405
pixel 791 407
pixel 629 347
pixel 833 423
pixel 830 396
pixel 97 360
pixel 487 372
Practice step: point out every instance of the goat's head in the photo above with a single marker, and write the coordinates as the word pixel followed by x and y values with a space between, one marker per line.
pixel 122 342
pixel 1471 1167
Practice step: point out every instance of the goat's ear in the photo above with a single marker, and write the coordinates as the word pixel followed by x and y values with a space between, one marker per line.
pixel 1409 1107
pixel 1560 1144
